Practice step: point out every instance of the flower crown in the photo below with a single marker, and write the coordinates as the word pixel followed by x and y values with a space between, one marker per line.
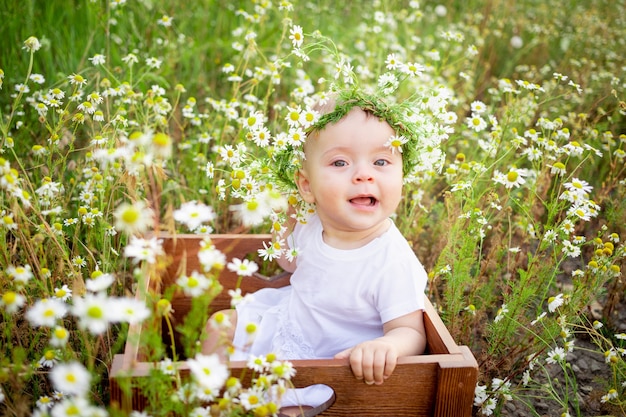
pixel 416 135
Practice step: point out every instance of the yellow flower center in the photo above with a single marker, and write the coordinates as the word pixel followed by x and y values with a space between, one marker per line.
pixel 95 312
pixel 131 215
pixel 512 176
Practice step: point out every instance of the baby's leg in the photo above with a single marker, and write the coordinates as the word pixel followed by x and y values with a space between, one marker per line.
pixel 220 329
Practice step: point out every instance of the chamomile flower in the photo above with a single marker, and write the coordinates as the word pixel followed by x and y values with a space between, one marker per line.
pixel 555 302
pixel 244 268
pixel 94 312
pixel 44 402
pixel 128 310
pixel 476 122
pixel 165 21
pixel 252 398
pixel 194 284
pixel 99 281
pixel 219 321
pixel 46 312
pixel 49 358
pixel 395 143
pixel 412 69
pixel 208 371
pixel 193 214
pixel 135 218
pixel 556 355
pixel 12 301
pixel 296 36
pixel 501 313
pixel 71 378
pixel 64 293
pixel 611 395
pixel 59 337
pixel 77 79
pixel 167 367
pixel 20 274
pixel 392 62
pixel 98 59
pixel 32 44
pixel 252 212
pixel 6 220
pixel 513 179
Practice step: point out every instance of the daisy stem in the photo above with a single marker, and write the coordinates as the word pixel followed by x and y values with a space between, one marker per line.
pixel 172 340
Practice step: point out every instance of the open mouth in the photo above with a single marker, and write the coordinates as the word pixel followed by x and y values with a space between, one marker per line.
pixel 364 201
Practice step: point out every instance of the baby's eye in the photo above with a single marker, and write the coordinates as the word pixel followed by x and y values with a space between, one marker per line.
pixel 339 163
pixel 381 162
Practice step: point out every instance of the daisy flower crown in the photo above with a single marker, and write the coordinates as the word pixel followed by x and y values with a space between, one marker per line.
pixel 415 137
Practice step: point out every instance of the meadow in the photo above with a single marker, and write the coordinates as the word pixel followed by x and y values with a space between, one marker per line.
pixel 125 117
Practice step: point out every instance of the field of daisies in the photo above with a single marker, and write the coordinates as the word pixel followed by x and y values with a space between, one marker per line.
pixel 122 120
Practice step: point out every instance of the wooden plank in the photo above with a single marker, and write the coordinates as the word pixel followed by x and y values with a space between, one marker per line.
pixel 439 383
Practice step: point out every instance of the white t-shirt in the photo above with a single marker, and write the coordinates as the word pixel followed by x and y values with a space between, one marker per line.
pixel 337 298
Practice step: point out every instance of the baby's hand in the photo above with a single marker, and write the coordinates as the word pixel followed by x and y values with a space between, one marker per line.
pixel 372 361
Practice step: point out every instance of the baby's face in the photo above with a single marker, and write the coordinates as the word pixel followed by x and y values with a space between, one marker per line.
pixel 352 176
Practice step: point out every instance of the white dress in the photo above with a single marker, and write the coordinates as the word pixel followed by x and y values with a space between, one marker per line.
pixel 337 298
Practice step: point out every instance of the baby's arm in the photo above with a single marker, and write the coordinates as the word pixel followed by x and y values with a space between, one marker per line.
pixel 374 360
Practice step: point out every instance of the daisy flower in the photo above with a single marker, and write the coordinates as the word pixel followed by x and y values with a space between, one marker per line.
pixel 32 44
pixel 220 320
pixel 49 358
pixel 392 62
pixel 7 221
pixel 578 187
pixel 252 398
pixel 46 312
pixel 555 356
pixel 12 301
pixel 20 274
pixel 210 257
pixel 60 336
pixel 208 371
pixel 167 366
pixel 555 302
pixel 77 79
pixel 308 118
pixel 244 268
pixel 98 59
pixel 611 395
pixel 64 293
pixel 236 297
pixel 143 249
pixel 99 281
pixel 93 312
pixel 476 123
pixel 395 143
pixel 296 36
pixel 412 69
pixel 252 212
pixel 71 378
pixel 501 312
pixel 44 402
pixel 194 285
pixel 513 179
pixel 193 214
pixel 129 310
pixel 165 21
pixel 135 218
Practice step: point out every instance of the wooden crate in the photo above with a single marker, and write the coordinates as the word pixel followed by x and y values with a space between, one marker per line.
pixel 439 383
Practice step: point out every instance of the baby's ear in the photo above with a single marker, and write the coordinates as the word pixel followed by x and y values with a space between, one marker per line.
pixel 304 186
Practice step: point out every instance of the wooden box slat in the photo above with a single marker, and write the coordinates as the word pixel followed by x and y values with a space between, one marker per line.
pixel 439 383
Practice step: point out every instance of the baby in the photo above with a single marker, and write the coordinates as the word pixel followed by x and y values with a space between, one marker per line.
pixel 357 289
